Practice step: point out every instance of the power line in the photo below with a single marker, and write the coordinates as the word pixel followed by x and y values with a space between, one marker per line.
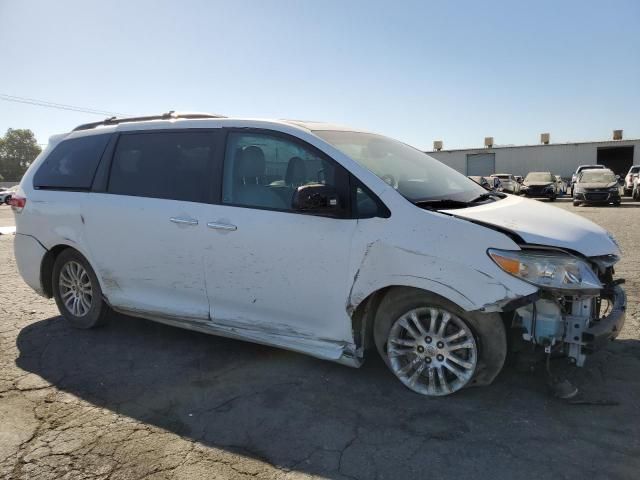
pixel 59 106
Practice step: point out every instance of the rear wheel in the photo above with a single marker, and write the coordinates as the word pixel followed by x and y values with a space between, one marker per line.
pixel 77 291
pixel 432 347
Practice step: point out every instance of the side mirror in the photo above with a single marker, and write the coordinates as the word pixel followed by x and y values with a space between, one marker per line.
pixel 316 198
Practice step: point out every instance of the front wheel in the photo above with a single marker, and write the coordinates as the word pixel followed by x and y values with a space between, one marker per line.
pixel 432 347
pixel 77 291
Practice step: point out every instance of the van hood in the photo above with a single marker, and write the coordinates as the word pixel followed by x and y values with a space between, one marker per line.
pixel 597 184
pixel 541 224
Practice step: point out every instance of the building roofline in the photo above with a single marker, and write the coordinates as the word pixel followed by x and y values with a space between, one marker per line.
pixel 504 147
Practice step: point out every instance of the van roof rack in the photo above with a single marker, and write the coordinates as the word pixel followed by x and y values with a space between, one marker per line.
pixel 170 115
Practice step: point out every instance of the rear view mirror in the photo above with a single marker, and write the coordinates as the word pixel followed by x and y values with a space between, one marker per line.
pixel 316 198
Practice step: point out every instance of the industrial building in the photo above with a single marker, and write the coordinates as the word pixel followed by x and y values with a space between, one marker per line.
pixel 558 158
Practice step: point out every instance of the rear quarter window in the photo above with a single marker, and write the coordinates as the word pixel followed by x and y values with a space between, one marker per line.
pixel 72 164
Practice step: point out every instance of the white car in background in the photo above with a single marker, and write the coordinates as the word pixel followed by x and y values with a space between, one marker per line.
pixel 630 178
pixel 6 194
pixel 508 183
pixel 312 237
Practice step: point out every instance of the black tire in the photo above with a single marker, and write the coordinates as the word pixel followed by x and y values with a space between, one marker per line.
pixel 98 312
pixel 552 198
pixel 488 330
pixel 576 203
pixel 7 199
pixel 616 204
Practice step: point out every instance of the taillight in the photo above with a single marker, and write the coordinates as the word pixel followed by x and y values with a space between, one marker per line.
pixel 17 203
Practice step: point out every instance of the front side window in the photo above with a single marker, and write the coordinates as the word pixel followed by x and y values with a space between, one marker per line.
pixel 264 170
pixel 72 163
pixel 169 165
pixel 414 174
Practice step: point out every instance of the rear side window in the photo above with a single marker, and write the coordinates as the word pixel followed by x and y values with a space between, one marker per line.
pixel 169 165
pixel 72 164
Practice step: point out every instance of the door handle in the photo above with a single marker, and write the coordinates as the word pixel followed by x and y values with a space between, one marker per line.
pixel 222 226
pixel 184 221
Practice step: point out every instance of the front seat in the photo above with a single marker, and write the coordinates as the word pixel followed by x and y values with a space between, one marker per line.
pixel 296 174
pixel 248 173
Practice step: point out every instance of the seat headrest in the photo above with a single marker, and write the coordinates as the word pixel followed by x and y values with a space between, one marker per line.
pixel 249 164
pixel 296 172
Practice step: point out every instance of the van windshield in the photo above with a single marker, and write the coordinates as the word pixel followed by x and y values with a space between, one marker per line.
pixel 414 174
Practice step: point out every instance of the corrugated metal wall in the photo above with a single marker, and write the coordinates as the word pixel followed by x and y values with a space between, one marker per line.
pixel 560 159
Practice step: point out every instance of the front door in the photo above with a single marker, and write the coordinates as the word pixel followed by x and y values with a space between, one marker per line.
pixel 273 274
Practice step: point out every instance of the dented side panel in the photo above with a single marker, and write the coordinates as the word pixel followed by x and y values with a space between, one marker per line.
pixel 438 253
pixel 145 261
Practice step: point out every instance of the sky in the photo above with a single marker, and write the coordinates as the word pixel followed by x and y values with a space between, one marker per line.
pixel 418 71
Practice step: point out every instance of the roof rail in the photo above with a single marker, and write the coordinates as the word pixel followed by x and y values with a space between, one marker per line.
pixel 170 115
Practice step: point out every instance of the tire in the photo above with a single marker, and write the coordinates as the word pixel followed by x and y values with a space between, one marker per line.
pixel 477 355
pixel 552 198
pixel 616 204
pixel 7 199
pixel 576 203
pixel 77 291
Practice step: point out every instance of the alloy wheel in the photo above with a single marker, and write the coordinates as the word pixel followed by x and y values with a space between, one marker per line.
pixel 432 351
pixel 76 291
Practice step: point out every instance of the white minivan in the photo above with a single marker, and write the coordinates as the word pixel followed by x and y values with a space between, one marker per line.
pixel 311 237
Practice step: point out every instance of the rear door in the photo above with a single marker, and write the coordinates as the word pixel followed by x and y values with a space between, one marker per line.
pixel 146 229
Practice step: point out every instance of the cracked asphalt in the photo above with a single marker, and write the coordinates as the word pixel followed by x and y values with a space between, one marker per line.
pixel 138 400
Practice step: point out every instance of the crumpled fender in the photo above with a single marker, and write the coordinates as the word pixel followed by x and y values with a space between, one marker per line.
pixel 471 289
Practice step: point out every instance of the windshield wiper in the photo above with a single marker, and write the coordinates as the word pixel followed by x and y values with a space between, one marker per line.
pixel 444 203
pixel 486 196
pixel 441 203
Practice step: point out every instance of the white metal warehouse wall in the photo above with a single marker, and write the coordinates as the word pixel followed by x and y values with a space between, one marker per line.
pixel 560 159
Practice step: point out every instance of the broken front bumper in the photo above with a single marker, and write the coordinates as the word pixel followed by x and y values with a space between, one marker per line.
pixel 576 325
pixel 608 327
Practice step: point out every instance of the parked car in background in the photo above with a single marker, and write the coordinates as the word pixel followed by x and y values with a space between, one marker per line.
pixel 5 195
pixel 635 189
pixel 633 173
pixel 483 182
pixel 596 186
pixel 508 182
pixel 540 185
pixel 311 237
pixel 580 168
pixel 561 186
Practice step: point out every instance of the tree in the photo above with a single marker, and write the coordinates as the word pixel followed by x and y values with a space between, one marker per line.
pixel 18 148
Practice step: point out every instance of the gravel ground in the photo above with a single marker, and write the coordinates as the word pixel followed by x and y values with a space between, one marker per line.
pixel 141 400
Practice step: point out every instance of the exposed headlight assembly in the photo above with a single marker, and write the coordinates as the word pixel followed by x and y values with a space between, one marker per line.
pixel 547 269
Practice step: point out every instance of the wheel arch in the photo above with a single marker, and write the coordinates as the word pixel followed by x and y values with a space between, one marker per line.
pixel 489 328
pixel 49 259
